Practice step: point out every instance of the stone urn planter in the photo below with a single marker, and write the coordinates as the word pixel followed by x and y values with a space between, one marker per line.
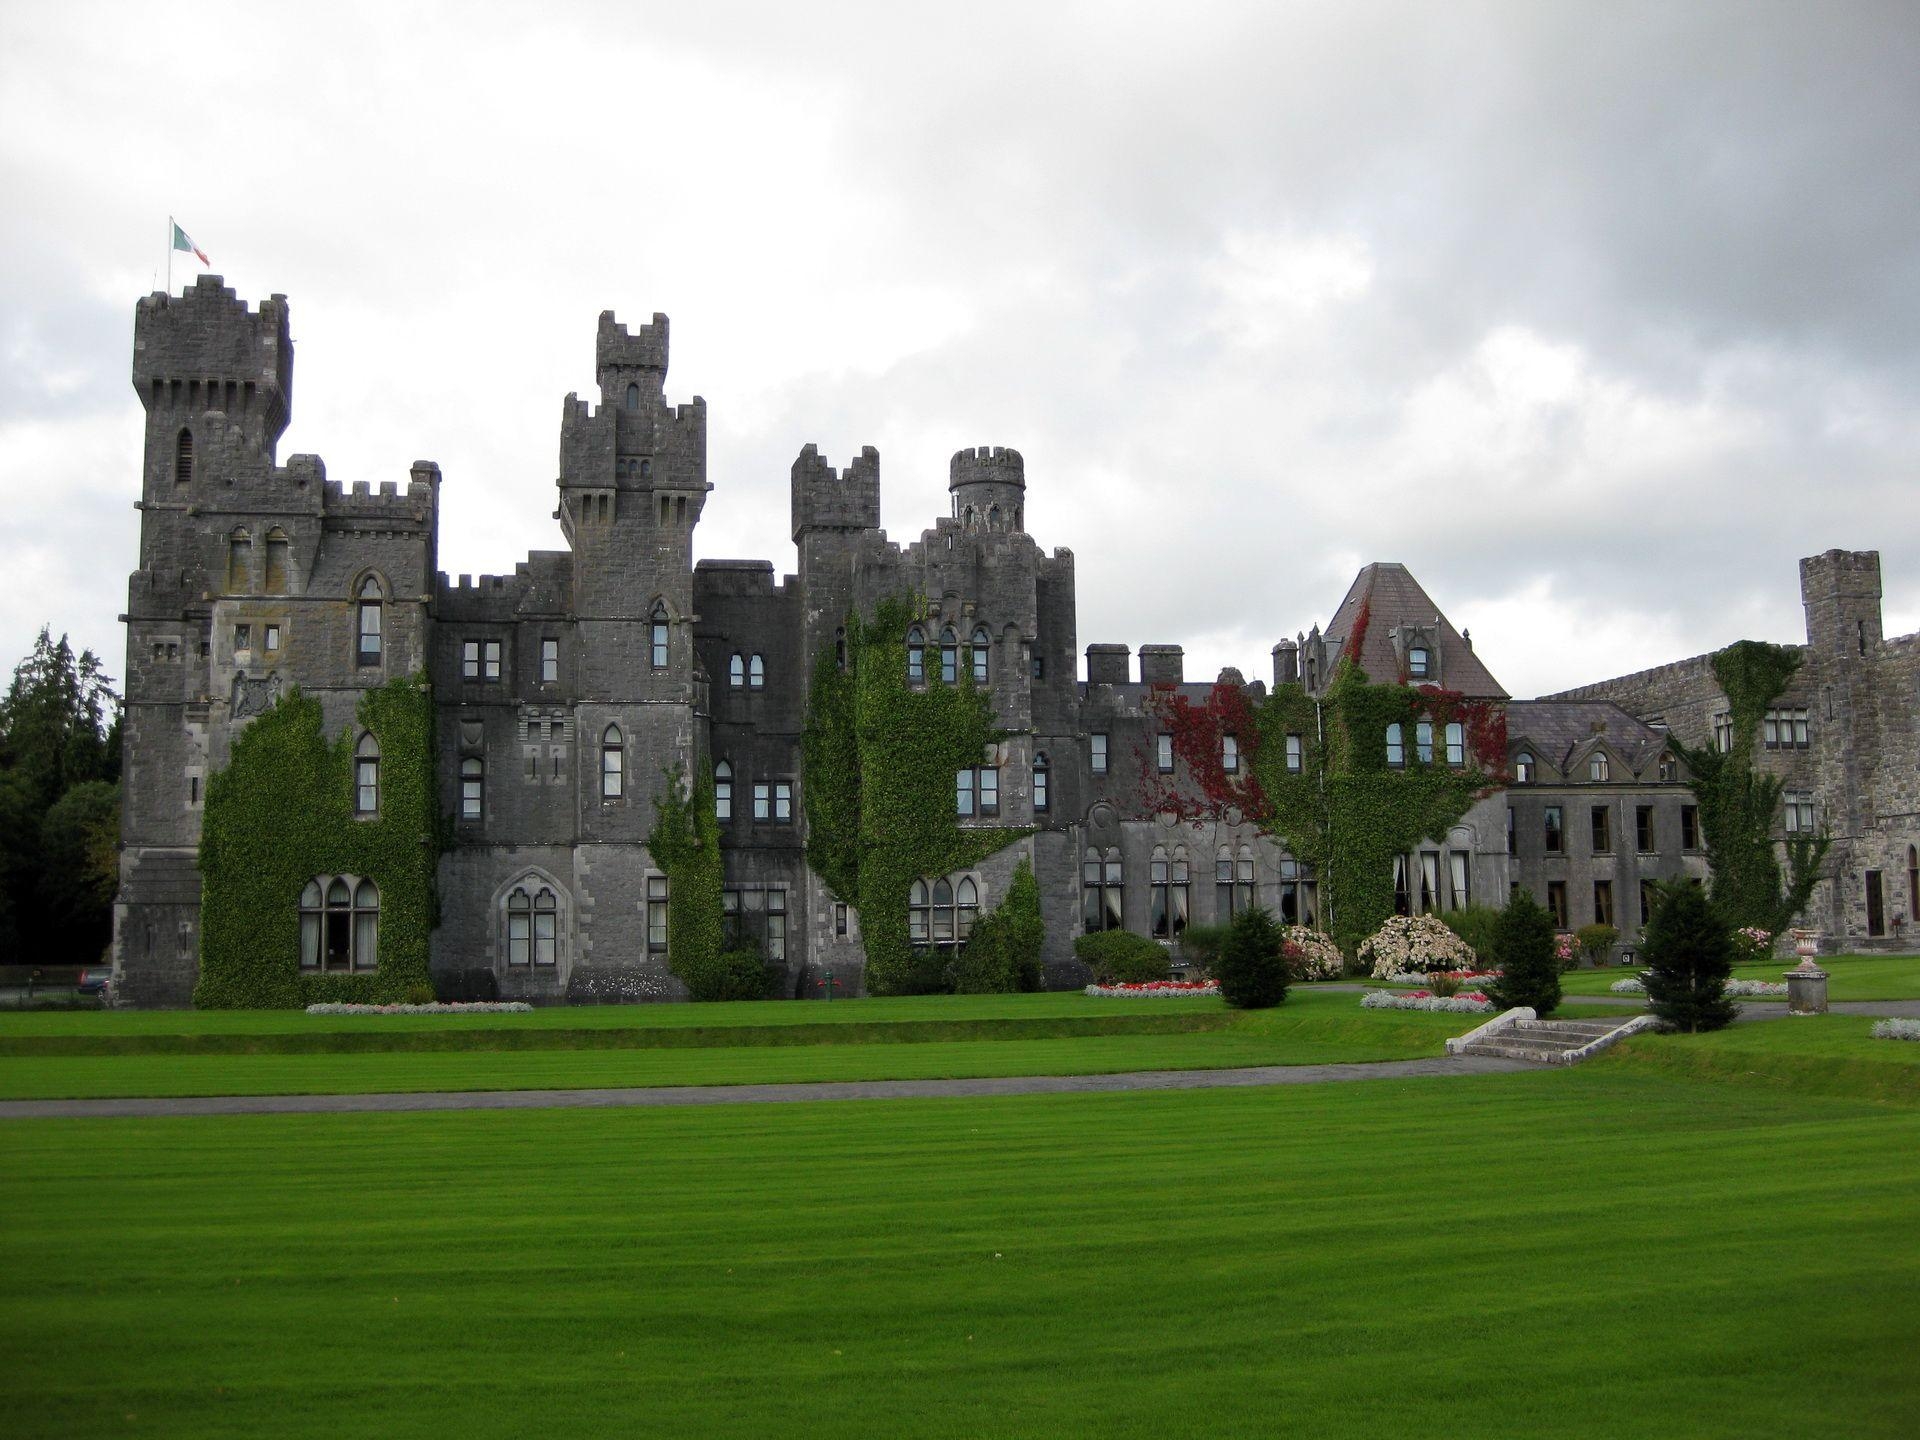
pixel 1806 982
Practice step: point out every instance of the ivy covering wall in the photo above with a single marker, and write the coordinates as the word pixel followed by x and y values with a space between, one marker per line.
pixel 880 757
pixel 1345 811
pixel 685 844
pixel 1738 804
pixel 281 813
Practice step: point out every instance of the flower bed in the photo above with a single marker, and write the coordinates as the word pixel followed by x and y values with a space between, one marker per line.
pixel 1471 1002
pixel 1155 989
pixel 1897 1030
pixel 452 1007
pixel 1750 988
pixel 1465 977
pixel 1415 943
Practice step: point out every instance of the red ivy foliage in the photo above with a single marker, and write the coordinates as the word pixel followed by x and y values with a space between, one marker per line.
pixel 1357 635
pixel 1197 731
pixel 1485 722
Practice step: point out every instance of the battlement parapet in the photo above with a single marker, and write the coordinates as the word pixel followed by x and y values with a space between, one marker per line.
pixel 986 465
pixel 388 505
pixel 617 348
pixel 733 578
pixel 824 498
pixel 1841 572
pixel 197 348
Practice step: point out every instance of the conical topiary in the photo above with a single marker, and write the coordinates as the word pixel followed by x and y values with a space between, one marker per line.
pixel 1689 953
pixel 1251 968
pixel 1523 949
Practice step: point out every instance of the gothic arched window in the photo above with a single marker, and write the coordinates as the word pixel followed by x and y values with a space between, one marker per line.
pixel 1523 768
pixel 1041 776
pixel 278 549
pixel 723 791
pixel 736 670
pixel 919 914
pixel 659 626
pixel 339 924
pixel 371 630
pixel 982 648
pixel 757 673
pixel 949 655
pixel 239 561
pixel 633 397
pixel 366 776
pixel 966 908
pixel 1396 745
pixel 613 767
pixel 916 654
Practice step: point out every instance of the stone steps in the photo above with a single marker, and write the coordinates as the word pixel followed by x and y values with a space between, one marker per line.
pixel 1518 1035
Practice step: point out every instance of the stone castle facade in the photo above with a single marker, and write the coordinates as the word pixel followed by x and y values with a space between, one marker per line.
pixel 565 690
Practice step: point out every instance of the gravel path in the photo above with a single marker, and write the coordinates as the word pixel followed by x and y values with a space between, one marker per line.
pixel 755 1094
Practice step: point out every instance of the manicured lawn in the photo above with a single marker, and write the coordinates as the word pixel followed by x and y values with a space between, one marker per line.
pixel 1649 1255
pixel 1855 977
pixel 1311 1028
pixel 1824 1054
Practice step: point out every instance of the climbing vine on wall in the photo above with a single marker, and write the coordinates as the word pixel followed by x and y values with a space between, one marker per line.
pixel 1344 809
pixel 1738 804
pixel 281 813
pixel 881 756
pixel 685 844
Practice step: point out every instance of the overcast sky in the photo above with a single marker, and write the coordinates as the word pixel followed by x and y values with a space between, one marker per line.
pixel 1598 317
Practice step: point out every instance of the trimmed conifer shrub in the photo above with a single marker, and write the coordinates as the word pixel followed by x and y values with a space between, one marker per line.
pixel 1251 968
pixel 1688 948
pixel 1523 949
pixel 1122 957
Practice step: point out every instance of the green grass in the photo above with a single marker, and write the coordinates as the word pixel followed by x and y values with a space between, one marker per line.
pixel 1311 1028
pixel 1650 1255
pixel 1813 1054
pixel 1855 977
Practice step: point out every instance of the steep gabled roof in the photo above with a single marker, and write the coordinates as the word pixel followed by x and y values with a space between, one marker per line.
pixel 1389 597
pixel 1562 730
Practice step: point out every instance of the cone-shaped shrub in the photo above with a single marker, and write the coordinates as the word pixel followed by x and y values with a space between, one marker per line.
pixel 1689 953
pixel 1251 968
pixel 1523 949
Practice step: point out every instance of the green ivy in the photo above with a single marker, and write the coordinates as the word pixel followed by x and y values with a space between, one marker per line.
pixel 685 844
pixel 880 757
pixel 281 813
pixel 1738 804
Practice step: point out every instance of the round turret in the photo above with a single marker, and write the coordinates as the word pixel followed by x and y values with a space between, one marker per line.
pixel 989 488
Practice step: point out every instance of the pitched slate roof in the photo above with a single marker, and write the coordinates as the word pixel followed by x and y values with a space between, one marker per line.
pixel 1392 598
pixel 1561 730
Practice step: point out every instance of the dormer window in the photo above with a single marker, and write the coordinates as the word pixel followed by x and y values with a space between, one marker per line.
pixel 1669 769
pixel 1597 768
pixel 1523 768
pixel 1418 663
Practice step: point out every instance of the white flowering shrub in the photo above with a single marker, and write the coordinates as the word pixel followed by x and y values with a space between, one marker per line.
pixel 452 1007
pixel 1416 944
pixel 1897 1030
pixel 1471 1003
pixel 1311 955
pixel 1751 988
pixel 1629 986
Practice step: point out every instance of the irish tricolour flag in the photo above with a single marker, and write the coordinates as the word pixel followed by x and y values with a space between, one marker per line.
pixel 183 241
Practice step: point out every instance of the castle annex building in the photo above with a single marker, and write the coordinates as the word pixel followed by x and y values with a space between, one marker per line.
pixel 565 692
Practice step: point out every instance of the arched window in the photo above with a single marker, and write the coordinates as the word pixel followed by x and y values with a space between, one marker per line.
pixel 533 927
pixel 916 655
pixel 1523 768
pixel 239 561
pixel 1913 882
pixel 919 914
pixel 339 924
pixel 1456 743
pixel 1396 745
pixel 366 776
pixel 183 458
pixel 840 647
pixel 1669 767
pixel 370 628
pixel 1417 662
pixel 473 786
pixel 736 670
pixel 1159 873
pixel 519 928
pixel 949 655
pixel 1423 741
pixel 971 516
pixel 613 767
pixel 982 648
pixel 723 791
pixel 633 397
pixel 757 673
pixel 659 635
pixel 1597 767
pixel 278 549
pixel 1041 776
pixel 311 919
pixel 942 912
pixel 1243 879
pixel 966 908
pixel 993 517
pixel 366 925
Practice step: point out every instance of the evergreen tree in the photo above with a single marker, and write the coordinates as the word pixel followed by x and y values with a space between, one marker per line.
pixel 1251 967
pixel 1689 953
pixel 1523 949
pixel 79 867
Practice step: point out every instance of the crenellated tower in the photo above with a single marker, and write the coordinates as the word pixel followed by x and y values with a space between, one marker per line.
pixel 989 488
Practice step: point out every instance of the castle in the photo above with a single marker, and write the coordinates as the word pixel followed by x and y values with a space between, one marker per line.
pixel 562 691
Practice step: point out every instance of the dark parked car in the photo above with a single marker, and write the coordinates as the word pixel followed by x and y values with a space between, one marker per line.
pixel 94 980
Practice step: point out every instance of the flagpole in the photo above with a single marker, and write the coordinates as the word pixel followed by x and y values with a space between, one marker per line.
pixel 169 255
